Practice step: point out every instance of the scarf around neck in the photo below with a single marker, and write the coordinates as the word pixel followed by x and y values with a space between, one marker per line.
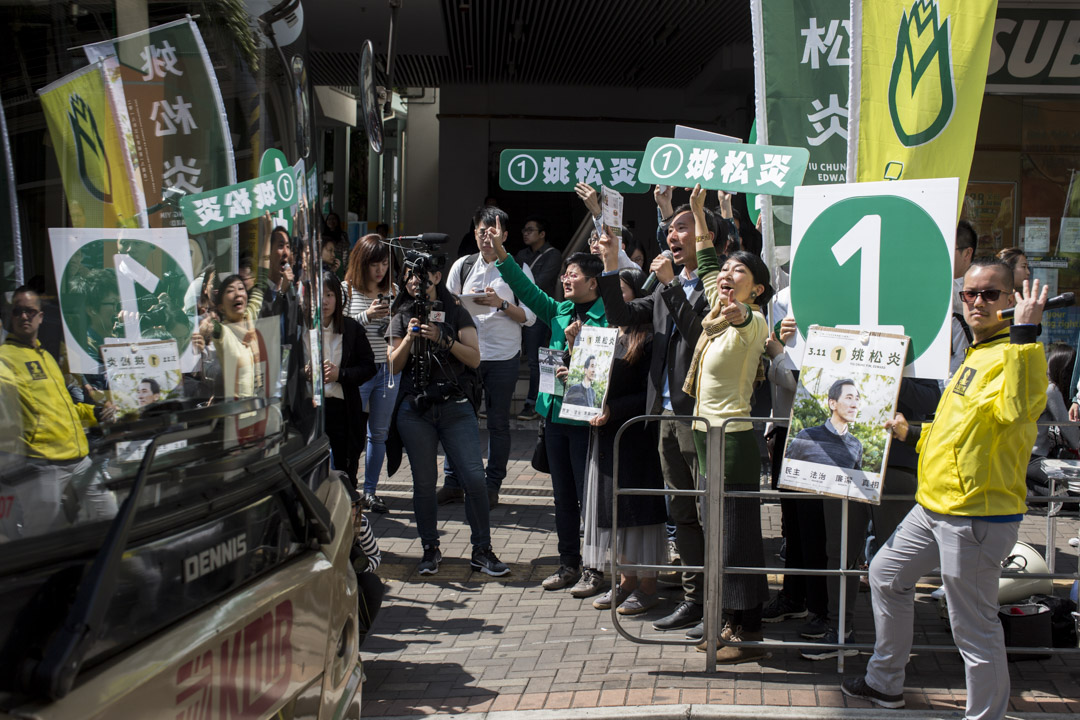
pixel 712 326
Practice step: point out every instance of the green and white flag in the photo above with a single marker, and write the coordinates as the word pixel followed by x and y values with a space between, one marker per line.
pixel 182 140
pixel 801 65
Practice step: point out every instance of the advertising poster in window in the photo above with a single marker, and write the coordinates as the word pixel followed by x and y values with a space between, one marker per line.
pixel 990 208
pixel 848 387
pixel 590 369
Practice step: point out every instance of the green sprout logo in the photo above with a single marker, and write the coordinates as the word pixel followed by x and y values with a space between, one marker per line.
pixel 921 101
pixel 93 160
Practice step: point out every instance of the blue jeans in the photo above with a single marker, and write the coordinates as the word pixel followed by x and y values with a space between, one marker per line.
pixel 567 451
pixel 454 424
pixel 500 377
pixel 533 338
pixel 379 402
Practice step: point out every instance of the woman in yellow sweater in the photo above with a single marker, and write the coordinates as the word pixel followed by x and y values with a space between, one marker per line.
pixel 726 363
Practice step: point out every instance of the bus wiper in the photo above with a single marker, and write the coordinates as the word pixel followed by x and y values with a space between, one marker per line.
pixel 315 513
pixel 54 675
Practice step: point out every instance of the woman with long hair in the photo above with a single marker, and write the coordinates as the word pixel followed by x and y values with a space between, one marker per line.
pixel 642 537
pixel 368 293
pixel 347 364
pixel 726 363
pixel 1016 259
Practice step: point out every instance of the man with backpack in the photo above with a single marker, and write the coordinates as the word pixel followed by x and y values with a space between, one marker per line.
pixel 499 319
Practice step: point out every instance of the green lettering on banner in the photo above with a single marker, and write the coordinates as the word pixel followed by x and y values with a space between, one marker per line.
pixel 734 167
pixel 561 170
pixel 239 203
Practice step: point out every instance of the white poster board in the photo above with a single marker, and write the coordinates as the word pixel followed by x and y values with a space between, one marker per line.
pixel 141 267
pixel 1037 235
pixel 550 359
pixel 590 369
pixel 848 386
pixel 878 256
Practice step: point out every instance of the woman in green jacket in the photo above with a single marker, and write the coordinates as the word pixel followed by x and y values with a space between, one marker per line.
pixel 567 440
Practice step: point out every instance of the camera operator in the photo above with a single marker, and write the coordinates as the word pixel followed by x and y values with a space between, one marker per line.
pixel 436 350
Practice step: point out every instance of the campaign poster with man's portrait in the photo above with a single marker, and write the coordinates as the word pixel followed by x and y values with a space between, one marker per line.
pixel 590 368
pixel 848 388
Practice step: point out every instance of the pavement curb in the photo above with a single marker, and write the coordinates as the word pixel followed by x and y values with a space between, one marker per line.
pixel 723 712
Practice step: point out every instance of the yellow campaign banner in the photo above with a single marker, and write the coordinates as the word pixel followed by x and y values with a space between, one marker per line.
pixel 95 164
pixel 918 72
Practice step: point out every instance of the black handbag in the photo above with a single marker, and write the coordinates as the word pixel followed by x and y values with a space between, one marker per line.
pixel 539 456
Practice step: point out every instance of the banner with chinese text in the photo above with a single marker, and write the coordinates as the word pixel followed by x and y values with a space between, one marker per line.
pixel 917 78
pixel 801 62
pixel 182 138
pixel 99 179
pixel 561 170
pixel 234 204
pixel 734 167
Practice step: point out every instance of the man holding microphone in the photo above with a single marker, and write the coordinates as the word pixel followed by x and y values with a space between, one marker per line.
pixel 970 501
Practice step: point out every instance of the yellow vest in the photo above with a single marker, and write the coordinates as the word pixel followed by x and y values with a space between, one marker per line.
pixel 973 458
pixel 52 425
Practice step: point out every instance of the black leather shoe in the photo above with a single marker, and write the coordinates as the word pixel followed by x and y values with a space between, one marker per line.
pixel 697 632
pixel 687 614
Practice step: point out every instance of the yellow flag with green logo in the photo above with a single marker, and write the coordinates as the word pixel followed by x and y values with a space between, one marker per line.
pixel 918 72
pixel 95 162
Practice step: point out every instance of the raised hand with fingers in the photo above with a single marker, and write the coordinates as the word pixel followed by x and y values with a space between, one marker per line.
pixel 663 199
pixel 498 236
pixel 589 196
pixel 1030 303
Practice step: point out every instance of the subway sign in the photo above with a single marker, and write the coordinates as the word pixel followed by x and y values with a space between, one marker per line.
pixel 1035 51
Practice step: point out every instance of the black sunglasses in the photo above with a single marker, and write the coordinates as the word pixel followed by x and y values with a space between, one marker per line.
pixel 969 296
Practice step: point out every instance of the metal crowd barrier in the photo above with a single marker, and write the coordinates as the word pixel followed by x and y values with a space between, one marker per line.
pixel 714 494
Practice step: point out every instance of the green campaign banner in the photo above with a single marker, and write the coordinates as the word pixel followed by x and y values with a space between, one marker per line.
pixel 734 167
pixel 801 62
pixel 234 204
pixel 561 170
pixel 181 133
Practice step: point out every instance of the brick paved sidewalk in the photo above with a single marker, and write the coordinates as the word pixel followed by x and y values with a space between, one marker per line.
pixel 461 642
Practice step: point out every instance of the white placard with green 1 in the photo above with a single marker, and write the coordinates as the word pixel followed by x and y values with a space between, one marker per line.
pixel 878 256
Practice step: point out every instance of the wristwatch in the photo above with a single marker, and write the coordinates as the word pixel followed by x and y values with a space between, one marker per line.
pixel 504 305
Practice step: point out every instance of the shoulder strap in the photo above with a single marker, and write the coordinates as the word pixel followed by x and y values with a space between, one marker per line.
pixel 466 268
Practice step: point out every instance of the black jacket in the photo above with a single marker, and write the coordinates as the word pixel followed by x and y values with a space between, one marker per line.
pixel 356 368
pixel 672 349
pixel 639 463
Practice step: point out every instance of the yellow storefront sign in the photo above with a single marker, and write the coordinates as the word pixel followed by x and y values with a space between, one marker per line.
pixel 918 72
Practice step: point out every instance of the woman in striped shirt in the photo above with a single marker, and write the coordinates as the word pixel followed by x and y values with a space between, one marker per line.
pixel 369 293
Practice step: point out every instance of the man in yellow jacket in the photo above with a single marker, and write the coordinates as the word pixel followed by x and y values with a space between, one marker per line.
pixel 50 441
pixel 972 462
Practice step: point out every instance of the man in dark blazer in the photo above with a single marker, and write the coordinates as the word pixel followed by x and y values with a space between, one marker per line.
pixel 682 296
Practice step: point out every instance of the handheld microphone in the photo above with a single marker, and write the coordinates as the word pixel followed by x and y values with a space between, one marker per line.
pixel 650 282
pixel 426 238
pixel 1060 301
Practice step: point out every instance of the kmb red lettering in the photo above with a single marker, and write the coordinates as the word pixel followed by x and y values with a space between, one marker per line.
pixel 253 672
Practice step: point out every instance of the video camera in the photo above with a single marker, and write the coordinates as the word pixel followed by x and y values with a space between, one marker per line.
pixel 421 259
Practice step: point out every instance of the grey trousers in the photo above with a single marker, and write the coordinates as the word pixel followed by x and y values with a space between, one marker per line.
pixel 969 551
pixel 678 461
